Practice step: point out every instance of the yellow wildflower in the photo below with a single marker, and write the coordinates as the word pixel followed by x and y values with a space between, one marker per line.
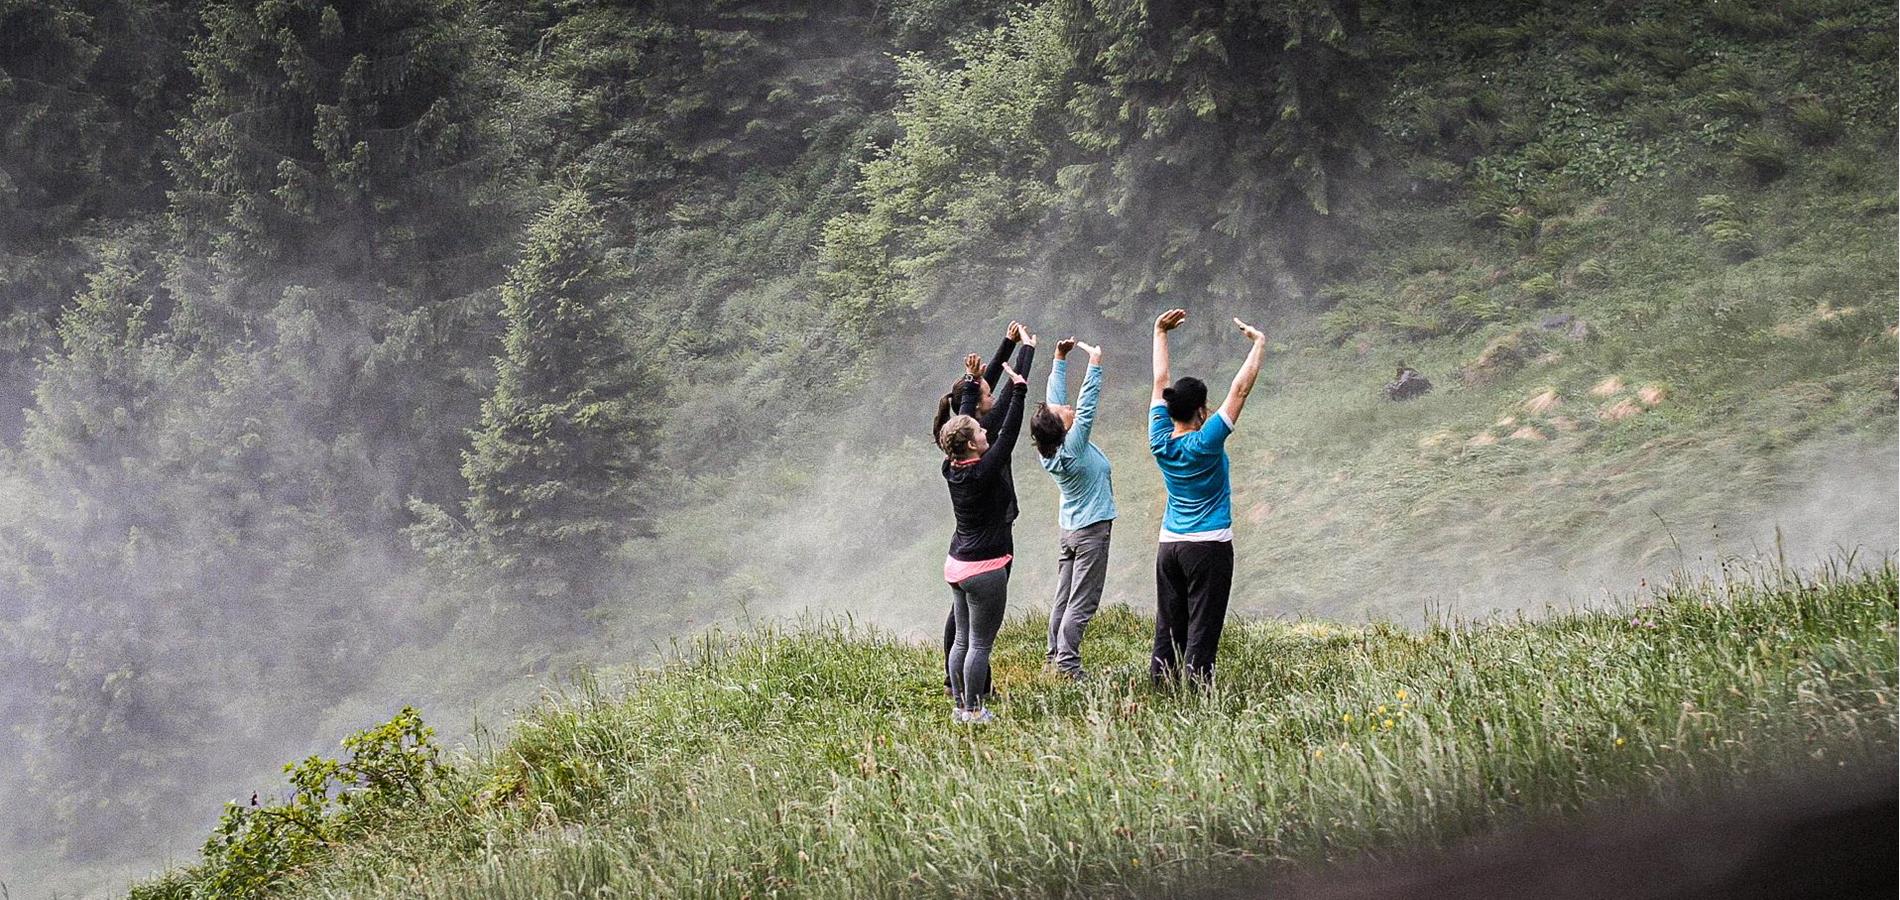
pixel 1388 723
pixel 1401 693
pixel 1319 754
pixel 1347 718
pixel 1619 742
pixel 1382 709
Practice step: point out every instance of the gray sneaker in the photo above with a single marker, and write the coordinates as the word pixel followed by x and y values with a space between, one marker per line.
pixel 978 717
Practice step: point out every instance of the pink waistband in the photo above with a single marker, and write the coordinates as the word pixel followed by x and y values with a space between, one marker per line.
pixel 955 570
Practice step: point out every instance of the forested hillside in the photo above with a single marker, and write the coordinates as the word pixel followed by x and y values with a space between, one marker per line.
pixel 364 353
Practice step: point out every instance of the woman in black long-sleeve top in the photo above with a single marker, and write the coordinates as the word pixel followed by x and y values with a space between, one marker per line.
pixel 983 495
pixel 966 397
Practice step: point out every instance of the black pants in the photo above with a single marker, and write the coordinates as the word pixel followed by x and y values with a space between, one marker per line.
pixel 1192 581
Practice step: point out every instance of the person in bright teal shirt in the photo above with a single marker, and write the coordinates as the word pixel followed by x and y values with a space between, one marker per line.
pixel 1194 564
pixel 1083 475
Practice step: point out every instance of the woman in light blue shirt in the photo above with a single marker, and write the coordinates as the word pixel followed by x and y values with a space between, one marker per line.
pixel 1082 473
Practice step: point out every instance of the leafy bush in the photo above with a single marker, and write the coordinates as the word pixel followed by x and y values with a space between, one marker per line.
pixel 392 768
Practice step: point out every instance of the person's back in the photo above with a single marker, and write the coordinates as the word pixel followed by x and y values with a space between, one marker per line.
pixel 1087 513
pixel 1194 469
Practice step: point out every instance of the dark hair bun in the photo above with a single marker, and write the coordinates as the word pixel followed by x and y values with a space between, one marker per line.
pixel 1167 393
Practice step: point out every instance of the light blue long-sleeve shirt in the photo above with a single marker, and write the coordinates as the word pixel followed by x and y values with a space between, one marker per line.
pixel 1080 468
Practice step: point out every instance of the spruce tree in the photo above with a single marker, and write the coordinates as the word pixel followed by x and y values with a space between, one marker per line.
pixel 563 438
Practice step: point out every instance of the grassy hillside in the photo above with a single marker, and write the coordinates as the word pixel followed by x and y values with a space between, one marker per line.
pixel 823 762
pixel 1645 253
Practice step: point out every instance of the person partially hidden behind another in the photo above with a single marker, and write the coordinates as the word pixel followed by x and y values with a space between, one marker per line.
pixel 1087 514
pixel 1194 566
pixel 983 497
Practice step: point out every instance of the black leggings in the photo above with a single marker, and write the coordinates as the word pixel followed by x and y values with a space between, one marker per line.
pixel 1192 581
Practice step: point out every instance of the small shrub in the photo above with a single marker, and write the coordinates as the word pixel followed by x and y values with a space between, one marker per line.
pixel 1521 224
pixel 1765 154
pixel 1722 223
pixel 1672 60
pixel 1418 324
pixel 1742 104
pixel 1726 75
pixel 1540 290
pixel 1746 19
pixel 1814 122
pixel 1488 202
pixel 1592 60
pixel 253 848
pixel 1472 309
pixel 1622 86
pixel 1593 273
pixel 1652 121
pixel 1546 157
pixel 1874 45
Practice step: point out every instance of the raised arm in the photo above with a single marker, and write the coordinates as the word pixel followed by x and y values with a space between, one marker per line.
pixel 1057 390
pixel 995 369
pixel 1078 436
pixel 1164 323
pixel 1249 370
pixel 1011 405
pixel 1023 355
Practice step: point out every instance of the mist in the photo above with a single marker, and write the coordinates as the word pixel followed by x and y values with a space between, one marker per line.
pixel 250 350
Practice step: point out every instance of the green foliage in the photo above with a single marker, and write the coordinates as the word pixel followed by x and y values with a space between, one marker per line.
pixel 1592 273
pixel 1539 289
pixel 1073 132
pixel 1764 154
pixel 555 466
pixel 372 151
pixel 1742 104
pixel 256 850
pixel 1722 222
pixel 1814 122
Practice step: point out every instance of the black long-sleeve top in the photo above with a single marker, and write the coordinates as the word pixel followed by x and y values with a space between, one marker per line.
pixel 983 491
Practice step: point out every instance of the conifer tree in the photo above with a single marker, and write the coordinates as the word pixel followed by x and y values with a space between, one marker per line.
pixel 564 435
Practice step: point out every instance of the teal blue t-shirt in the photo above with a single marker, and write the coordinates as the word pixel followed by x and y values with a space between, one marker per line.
pixel 1194 468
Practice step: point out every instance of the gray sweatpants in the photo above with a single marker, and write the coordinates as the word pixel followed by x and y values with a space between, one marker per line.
pixel 1081 569
pixel 977 607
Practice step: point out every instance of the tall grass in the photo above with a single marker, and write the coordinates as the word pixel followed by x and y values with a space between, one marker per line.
pixel 824 762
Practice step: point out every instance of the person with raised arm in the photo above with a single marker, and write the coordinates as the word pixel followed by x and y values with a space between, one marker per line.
pixel 983 496
pixel 1194 566
pixel 973 394
pixel 1087 513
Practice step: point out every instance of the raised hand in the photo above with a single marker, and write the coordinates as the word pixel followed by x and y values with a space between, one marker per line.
pixel 1029 340
pixel 1011 372
pixel 1094 352
pixel 973 364
pixel 1169 320
pixel 1252 333
pixel 1064 346
pixel 1015 331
